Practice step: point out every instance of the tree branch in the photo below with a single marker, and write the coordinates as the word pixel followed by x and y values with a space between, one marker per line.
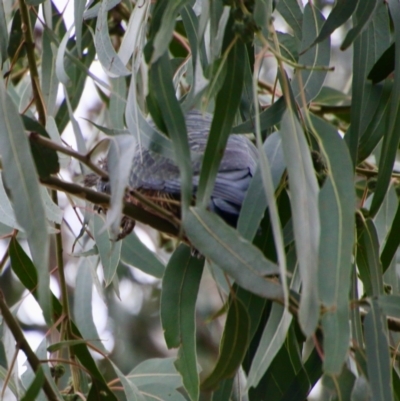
pixel 85 159
pixel 103 200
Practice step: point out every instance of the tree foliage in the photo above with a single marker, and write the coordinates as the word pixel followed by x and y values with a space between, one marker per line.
pixel 308 280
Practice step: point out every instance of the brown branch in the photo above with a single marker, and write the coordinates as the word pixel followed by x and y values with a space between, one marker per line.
pixel 22 344
pixel 85 159
pixel 30 51
pixel 103 200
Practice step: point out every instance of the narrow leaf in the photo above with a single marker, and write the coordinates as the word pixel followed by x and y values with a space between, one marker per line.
pixel 227 102
pixel 163 92
pixel 255 202
pixel 236 256
pixel 183 272
pixel 365 12
pixel 377 350
pixel 106 53
pixel 308 82
pixel 293 15
pixel 21 181
pixel 268 118
pixel 109 250
pixel 119 165
pixel 392 137
pixel 234 345
pixel 306 222
pixel 340 13
pixel 368 261
pixel 135 253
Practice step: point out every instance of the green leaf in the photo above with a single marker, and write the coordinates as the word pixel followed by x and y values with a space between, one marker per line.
pixel 163 92
pixel 165 29
pixel 118 103
pixel 392 242
pixel 268 118
pixel 79 8
pixel 337 208
pixel 119 165
pixel 83 313
pixel 158 391
pixel 135 253
pixel 367 48
pixel 109 250
pixel 46 160
pixel 224 391
pixel 7 215
pixel 271 341
pixel 49 78
pixel 392 137
pixel 340 13
pixel 21 181
pixel 293 15
pixel 131 392
pixel 305 213
pixel 33 391
pixel 368 261
pixel 379 123
pixel 106 54
pixel 156 370
pixel 361 390
pixel 183 272
pixel 227 102
pixel 308 82
pixel 233 254
pixel 233 347
pixel 365 12
pixel 93 12
pixel 329 96
pixel 341 385
pixel 378 357
pixel 199 83
pixel 255 202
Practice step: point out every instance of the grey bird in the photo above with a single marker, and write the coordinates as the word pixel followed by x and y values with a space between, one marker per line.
pixel 158 177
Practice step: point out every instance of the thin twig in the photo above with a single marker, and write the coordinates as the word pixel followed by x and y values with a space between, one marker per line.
pixel 22 344
pixel 85 159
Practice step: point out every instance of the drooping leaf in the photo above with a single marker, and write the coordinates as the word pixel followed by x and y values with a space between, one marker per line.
pixel 163 93
pixel 108 57
pixel 293 15
pixel 135 253
pixel 183 272
pixel 340 13
pixel 377 350
pixel 233 345
pixel 392 137
pixel 227 102
pixel 109 250
pixel 308 82
pixel 236 256
pixel 364 14
pixel 21 181
pixel 305 213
